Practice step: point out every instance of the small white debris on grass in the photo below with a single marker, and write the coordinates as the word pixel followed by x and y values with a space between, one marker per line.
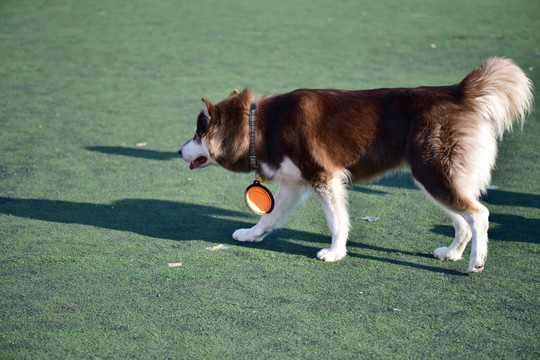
pixel 141 144
pixel 396 310
pixel 217 247
pixel 370 218
pixel 175 264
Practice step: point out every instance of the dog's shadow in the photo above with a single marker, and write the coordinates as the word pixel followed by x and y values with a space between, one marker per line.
pixel 154 218
pixel 181 221
pixel 134 152
pixel 185 221
pixel 507 227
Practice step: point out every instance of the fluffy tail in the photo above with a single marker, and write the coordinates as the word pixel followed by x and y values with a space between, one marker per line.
pixel 500 92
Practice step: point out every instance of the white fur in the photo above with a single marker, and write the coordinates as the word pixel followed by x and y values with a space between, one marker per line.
pixel 287 171
pixel 334 202
pixel 193 150
pixel 288 196
pixel 463 235
pixel 205 110
pixel 479 224
pixel 505 94
pixel 292 191
pixel 474 175
pixel 467 226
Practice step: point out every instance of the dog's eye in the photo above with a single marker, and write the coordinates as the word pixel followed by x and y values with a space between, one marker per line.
pixel 197 134
pixel 202 125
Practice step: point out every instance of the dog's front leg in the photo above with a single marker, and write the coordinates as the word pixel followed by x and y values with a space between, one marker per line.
pixel 333 196
pixel 288 196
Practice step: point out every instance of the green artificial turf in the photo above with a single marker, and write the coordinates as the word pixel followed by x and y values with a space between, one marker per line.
pixel 89 221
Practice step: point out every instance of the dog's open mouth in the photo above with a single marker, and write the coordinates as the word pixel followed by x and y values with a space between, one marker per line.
pixel 198 162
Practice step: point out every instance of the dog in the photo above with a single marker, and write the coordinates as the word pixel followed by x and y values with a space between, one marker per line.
pixel 325 139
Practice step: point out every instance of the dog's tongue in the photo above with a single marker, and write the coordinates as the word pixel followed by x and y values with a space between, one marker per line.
pixel 197 162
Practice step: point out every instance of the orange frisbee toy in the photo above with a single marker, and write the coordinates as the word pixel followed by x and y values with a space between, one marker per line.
pixel 259 199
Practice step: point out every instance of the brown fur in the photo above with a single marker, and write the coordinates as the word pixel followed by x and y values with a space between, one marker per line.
pixel 366 132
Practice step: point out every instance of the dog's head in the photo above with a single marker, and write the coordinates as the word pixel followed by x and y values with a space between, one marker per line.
pixel 221 135
pixel 195 151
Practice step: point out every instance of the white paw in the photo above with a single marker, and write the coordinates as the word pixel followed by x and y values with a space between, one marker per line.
pixel 245 235
pixel 476 264
pixel 445 253
pixel 331 255
pixel 475 268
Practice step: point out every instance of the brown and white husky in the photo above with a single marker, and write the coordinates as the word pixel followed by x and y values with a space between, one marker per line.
pixel 325 139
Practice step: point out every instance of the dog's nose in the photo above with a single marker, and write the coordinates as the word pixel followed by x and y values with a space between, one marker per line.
pixel 180 152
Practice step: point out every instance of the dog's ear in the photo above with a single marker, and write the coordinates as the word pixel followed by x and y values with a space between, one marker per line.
pixel 207 108
pixel 234 92
pixel 204 118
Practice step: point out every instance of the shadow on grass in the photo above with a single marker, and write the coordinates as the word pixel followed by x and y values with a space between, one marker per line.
pixel 506 227
pixel 278 241
pixel 396 180
pixel 134 152
pixel 501 197
pixel 180 221
pixel 512 228
pixel 154 218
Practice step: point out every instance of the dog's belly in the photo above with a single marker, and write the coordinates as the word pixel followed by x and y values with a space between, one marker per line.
pixel 376 163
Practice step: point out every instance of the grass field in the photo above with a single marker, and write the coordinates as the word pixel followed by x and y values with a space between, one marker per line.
pixel 89 220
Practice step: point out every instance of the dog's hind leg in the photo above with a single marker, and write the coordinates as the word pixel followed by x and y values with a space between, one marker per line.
pixel 479 222
pixel 470 219
pixel 463 235
pixel 452 161
pixel 288 196
pixel 476 216
pixel 333 195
